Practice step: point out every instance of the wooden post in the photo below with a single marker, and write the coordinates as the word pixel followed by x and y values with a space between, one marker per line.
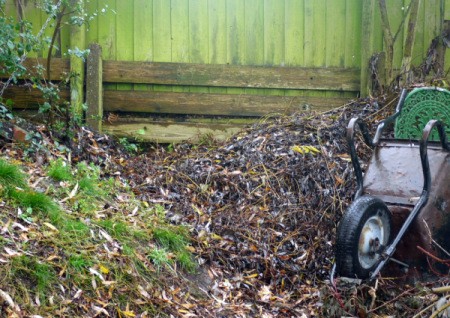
pixel 77 40
pixel 366 45
pixel 94 88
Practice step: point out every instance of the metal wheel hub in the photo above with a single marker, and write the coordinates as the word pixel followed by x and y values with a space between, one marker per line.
pixel 371 240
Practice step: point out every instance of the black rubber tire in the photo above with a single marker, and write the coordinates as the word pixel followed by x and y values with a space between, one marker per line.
pixel 348 262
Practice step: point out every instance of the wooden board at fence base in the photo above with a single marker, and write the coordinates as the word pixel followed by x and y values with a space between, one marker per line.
pixel 28 97
pixel 170 131
pixel 217 75
pixel 213 104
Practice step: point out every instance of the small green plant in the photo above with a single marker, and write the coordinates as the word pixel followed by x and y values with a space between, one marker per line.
pixel 170 238
pixel 75 230
pixel 160 258
pixel 128 146
pixel 31 270
pixel 27 215
pixel 60 171
pixel 79 263
pixel 185 259
pixel 118 230
pixel 36 201
pixel 11 175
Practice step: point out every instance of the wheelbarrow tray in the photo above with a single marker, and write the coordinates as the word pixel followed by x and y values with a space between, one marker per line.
pixel 394 174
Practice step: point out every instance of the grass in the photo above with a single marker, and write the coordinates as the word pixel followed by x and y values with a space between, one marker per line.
pixel 72 246
pixel 11 175
pixel 59 170
pixel 34 272
pixel 160 258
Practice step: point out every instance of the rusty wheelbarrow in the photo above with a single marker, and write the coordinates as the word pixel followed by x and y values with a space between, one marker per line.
pixel 403 199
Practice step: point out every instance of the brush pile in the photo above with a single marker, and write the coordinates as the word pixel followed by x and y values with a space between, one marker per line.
pixel 263 207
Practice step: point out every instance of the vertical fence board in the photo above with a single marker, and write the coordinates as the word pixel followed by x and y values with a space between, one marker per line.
pixel 366 43
pixel 180 34
pixel 235 36
pixel 29 13
pixel 353 33
pixel 335 33
pixel 106 32
pixel 294 21
pixel 198 36
pixel 162 43
pixel 419 41
pixel 92 27
pixel 254 35
pixel 396 14
pixel 294 37
pixel 143 34
pixel 124 35
pixel 217 39
pixel 432 20
pixel 274 37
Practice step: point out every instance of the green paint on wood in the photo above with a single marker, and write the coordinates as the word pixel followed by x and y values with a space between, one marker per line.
pixel 274 37
pixel 254 35
pixel 335 33
pixel 162 43
pixel 180 35
pixel 92 27
pixel 217 36
pixel 198 36
pixel 353 33
pixel 294 33
pixel 106 31
pixel 143 34
pixel 124 35
pixel 235 12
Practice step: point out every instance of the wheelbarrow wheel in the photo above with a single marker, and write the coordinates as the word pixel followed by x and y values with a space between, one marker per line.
pixel 362 234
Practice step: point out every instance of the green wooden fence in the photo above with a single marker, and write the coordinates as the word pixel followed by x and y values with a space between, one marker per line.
pixel 271 33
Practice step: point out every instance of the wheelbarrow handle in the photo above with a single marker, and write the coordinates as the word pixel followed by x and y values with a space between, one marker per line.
pixel 387 254
pixel 351 131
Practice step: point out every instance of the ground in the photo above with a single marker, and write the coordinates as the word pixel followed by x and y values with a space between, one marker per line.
pixel 242 228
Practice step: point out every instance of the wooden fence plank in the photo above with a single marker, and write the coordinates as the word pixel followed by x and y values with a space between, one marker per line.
pixel 231 76
pixel 235 37
pixel 294 33
pixel 180 35
pixel 124 35
pixel 198 36
pixel 28 97
pixel 162 36
pixel 143 35
pixel 212 104
pixel 353 34
pixel 171 132
pixel 60 68
pixel 94 88
pixel 274 37
pixel 217 41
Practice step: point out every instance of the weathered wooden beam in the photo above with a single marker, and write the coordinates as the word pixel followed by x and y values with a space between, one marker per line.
pixel 60 68
pixel 213 104
pixel 214 75
pixel 28 97
pixel 171 132
pixel 94 88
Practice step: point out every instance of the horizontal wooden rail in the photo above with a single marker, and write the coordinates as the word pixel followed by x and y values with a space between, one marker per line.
pixel 213 104
pixel 337 79
pixel 60 68
pixel 25 97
